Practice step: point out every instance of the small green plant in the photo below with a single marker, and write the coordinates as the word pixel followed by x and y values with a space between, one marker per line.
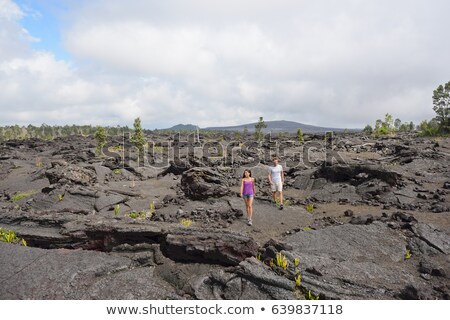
pixel 60 197
pixel 309 207
pixel 408 254
pixel 310 296
pixel 133 215
pixel 296 262
pixel 21 195
pixel 282 261
pixel 117 171
pixel 298 280
pixel 307 228
pixel 186 222
pixel 394 164
pixel 152 209
pixel 118 148
pixel 258 256
pixel 116 210
pixel 38 162
pixel 286 203
pixel 10 236
pixel 271 263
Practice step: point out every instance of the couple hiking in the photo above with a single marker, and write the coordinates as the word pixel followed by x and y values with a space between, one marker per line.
pixel 248 190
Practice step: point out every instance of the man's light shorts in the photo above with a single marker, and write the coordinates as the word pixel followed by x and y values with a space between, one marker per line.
pixel 277 186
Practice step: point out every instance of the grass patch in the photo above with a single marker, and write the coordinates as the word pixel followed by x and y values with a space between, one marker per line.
pixel 408 254
pixel 310 296
pixel 116 210
pixel 282 261
pixel 298 280
pixel 22 195
pixel 115 149
pixel 186 222
pixel 10 236
pixel 309 207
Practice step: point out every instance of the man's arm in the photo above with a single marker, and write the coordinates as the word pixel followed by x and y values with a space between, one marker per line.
pixel 282 175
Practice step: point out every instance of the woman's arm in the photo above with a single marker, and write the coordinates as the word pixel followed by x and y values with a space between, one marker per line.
pixel 242 186
pixel 254 188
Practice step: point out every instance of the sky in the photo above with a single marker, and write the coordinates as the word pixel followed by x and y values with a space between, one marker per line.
pixel 335 63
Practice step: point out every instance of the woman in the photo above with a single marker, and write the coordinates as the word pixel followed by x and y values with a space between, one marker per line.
pixel 247 193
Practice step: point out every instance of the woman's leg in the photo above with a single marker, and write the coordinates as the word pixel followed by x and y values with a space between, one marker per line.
pixel 246 205
pixel 250 208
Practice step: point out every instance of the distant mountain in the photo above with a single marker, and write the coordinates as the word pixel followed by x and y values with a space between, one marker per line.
pixel 272 126
pixel 183 127
pixel 280 126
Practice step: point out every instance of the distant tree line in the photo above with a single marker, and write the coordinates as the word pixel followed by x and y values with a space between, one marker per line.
pixel 47 132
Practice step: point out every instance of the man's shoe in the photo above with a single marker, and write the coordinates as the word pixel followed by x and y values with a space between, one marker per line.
pixel 281 207
pixel 249 222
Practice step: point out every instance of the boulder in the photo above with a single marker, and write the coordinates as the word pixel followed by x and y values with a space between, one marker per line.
pixel 63 173
pixel 202 183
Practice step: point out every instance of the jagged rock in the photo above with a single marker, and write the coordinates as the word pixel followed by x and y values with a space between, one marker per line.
pixel 348 213
pixel 202 183
pixel 278 287
pixel 368 219
pixel 446 185
pixel 62 173
pixel 403 217
pixel 357 174
pixel 434 237
pixel 208 246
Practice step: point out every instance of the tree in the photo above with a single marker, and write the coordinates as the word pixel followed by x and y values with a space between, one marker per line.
pixel 368 129
pixel 441 105
pixel 429 128
pixel 138 138
pixel 100 136
pixel 388 123
pixel 397 124
pixel 245 133
pixel 238 136
pixel 300 135
pixel 259 126
pixel 378 124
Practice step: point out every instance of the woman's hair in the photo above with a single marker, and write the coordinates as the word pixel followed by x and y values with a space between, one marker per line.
pixel 243 174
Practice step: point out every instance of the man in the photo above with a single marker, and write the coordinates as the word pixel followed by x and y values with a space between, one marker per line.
pixel 276 179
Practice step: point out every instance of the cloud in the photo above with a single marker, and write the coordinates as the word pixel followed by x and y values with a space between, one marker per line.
pixel 331 63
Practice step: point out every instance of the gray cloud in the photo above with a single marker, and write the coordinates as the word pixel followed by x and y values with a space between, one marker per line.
pixel 331 63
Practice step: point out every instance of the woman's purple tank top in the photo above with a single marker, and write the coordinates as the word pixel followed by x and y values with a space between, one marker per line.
pixel 248 188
